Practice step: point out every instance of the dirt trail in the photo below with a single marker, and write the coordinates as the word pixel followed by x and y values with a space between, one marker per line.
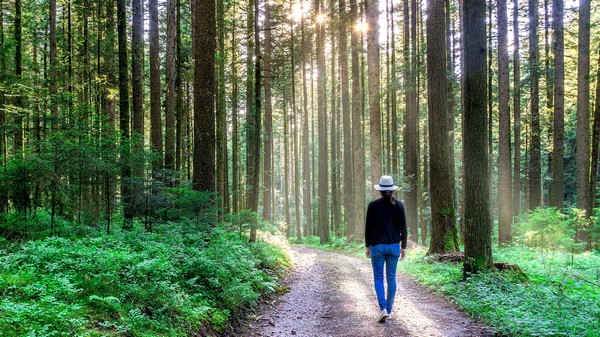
pixel 332 294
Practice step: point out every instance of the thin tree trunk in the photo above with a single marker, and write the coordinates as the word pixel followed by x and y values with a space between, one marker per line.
pixel 558 186
pixel 179 111
pixel 222 162
pixel 517 114
pixel 504 167
pixel 443 223
pixel 170 75
pixel 126 196
pixel 349 204
pixel 411 131
pixel 535 179
pixel 268 135
pixel 306 167
pixel 549 98
pixel 296 149
pixel 235 156
pixel 357 142
pixel 584 201
pixel 322 130
pixel 137 82
pixel 595 139
pixel 394 92
pixel 255 126
pixel 335 143
pixel 372 11
pixel 249 103
pixel 155 102
pixel 477 239
pixel 52 78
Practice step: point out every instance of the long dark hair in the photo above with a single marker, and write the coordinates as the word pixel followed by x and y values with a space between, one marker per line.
pixel 388 196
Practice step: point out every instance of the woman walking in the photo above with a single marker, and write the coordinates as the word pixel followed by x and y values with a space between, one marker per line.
pixel 385 229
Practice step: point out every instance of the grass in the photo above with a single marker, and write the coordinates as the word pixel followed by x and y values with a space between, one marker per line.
pixel 176 281
pixel 561 297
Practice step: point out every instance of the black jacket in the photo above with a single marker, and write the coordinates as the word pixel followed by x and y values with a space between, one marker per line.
pixel 386 223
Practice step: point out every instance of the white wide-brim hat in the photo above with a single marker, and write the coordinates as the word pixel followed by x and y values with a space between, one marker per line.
pixel 386 183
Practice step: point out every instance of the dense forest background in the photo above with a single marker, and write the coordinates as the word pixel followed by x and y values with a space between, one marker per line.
pixel 293 110
pixel 154 153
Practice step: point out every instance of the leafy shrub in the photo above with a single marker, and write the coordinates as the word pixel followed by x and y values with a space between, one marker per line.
pixel 562 298
pixel 173 282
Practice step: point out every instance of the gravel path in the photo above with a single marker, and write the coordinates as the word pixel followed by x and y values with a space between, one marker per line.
pixel 332 294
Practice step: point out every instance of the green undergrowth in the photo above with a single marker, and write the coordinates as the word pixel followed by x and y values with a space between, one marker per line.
pixel 560 298
pixel 172 282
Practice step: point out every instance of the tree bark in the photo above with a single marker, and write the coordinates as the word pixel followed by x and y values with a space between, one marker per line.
pixel 443 215
pixel 222 174
pixel 249 106
pixel 357 141
pixel 126 196
pixel 372 13
pixel 155 102
pixel 584 201
pixel 535 178
pixel 235 155
pixel 322 130
pixel 254 124
pixel 306 159
pixel 411 130
pixel 204 46
pixel 517 114
pixel 268 135
pixel 170 75
pixel 504 167
pixel 296 148
pixel 52 78
pixel 349 204
pixel 137 82
pixel 558 154
pixel 477 226
pixel 595 139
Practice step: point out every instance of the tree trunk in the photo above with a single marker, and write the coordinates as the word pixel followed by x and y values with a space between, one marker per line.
pixel 137 82
pixel 268 135
pixel 357 141
pixel 477 226
pixel 349 204
pixel 322 129
pixel 535 178
pixel 155 102
pixel 179 111
pixel 296 149
pixel 52 78
pixel 254 125
pixel 394 95
pixel 204 46
pixel 504 174
pixel 517 114
pixel 306 159
pixel 558 154
pixel 595 139
pixel 235 155
pixel 443 217
pixel 170 75
pixel 222 173
pixel 411 130
pixel 584 201
pixel 372 12
pixel 249 104
pixel 126 196
pixel 335 136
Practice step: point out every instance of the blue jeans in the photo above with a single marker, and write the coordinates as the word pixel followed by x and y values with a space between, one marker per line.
pixel 388 255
